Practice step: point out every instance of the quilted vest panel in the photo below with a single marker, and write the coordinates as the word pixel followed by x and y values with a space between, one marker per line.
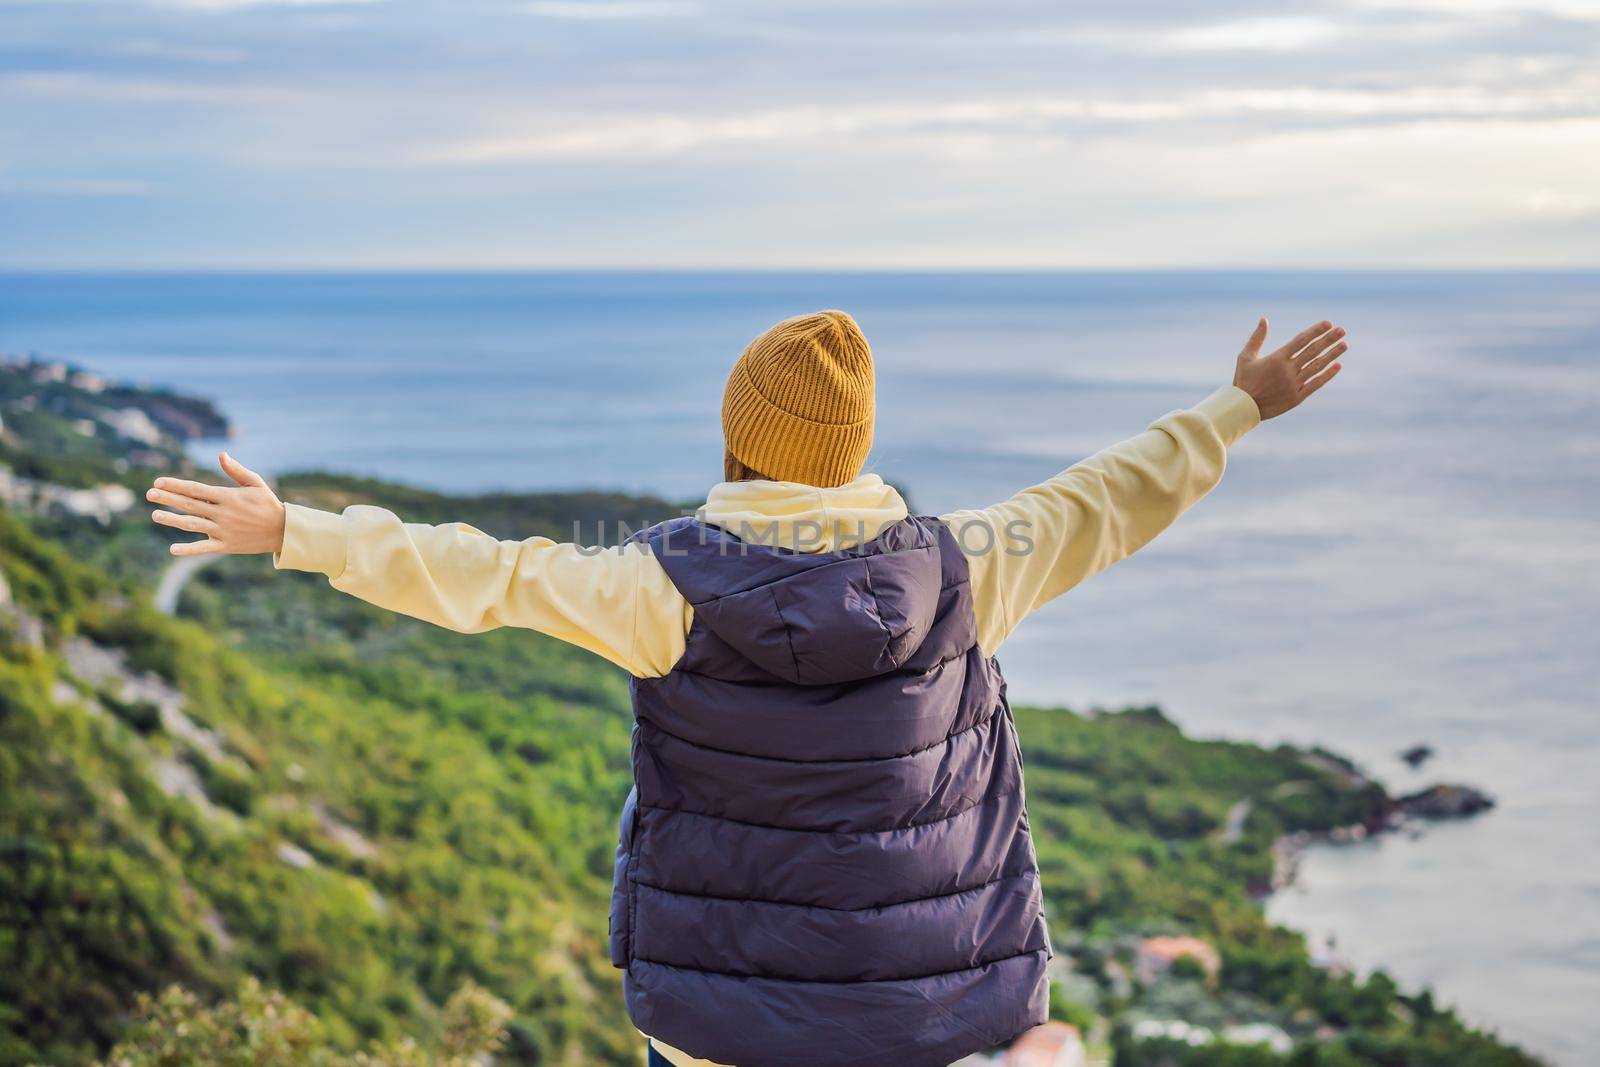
pixel 826 857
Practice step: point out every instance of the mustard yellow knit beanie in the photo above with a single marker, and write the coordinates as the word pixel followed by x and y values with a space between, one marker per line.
pixel 799 403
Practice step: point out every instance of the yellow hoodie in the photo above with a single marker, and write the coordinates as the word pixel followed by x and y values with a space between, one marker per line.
pixel 618 602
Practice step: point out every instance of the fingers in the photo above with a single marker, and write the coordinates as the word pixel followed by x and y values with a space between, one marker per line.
pixel 207 547
pixel 239 472
pixel 191 523
pixel 197 490
pixel 1317 346
pixel 1258 337
pixel 179 501
pixel 1311 367
pixel 1320 380
pixel 1304 337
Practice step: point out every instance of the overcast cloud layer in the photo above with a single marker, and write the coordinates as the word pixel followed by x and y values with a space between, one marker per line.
pixel 812 133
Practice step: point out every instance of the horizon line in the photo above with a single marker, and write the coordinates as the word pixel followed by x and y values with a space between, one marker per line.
pixel 487 271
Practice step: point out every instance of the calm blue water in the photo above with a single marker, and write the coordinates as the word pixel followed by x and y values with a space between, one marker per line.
pixel 1413 556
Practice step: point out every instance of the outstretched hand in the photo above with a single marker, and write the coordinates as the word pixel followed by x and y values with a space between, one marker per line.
pixel 236 520
pixel 1281 381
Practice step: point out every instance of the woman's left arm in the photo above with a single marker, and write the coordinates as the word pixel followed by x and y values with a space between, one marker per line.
pixel 1026 551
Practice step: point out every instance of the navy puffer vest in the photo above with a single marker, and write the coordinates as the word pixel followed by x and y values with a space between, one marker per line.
pixel 825 858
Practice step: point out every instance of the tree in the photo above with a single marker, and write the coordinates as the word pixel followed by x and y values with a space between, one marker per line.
pixel 264 1028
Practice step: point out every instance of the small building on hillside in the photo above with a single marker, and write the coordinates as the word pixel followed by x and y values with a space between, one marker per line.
pixel 88 382
pixel 133 424
pixel 1266 1034
pixel 1156 955
pixel 1172 1030
pixel 1053 1044
pixel 100 503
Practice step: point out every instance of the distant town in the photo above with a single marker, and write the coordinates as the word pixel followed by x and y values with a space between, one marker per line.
pixel 81 420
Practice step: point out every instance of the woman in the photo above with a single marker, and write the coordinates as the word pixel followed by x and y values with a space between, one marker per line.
pixel 826 856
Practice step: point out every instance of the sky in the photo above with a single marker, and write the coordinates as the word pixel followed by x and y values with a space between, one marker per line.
pixel 827 134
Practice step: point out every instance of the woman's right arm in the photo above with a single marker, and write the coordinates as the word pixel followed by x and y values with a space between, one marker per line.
pixel 452 575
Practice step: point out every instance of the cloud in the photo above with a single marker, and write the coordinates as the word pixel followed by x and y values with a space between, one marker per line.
pixel 174 51
pixel 106 88
pixel 611 10
pixel 1561 203
pixel 1580 10
pixel 912 132
pixel 88 187
pixel 233 5
pixel 1026 118
pixel 1280 34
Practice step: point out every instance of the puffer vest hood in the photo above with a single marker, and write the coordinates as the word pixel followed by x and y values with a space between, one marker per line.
pixel 826 858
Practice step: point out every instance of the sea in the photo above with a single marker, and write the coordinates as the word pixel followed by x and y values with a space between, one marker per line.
pixel 1411 557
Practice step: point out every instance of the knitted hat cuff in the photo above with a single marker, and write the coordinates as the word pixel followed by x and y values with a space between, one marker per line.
pixel 788 447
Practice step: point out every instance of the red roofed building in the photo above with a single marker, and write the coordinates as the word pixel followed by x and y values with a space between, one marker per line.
pixel 1055 1044
pixel 1157 955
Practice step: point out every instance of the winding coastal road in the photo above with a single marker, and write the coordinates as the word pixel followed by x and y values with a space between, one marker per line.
pixel 174 578
pixel 1233 830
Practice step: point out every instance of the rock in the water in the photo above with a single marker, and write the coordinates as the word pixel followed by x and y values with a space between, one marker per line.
pixel 1417 755
pixel 1446 802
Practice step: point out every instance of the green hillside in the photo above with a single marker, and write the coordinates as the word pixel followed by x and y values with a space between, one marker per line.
pixel 365 814
pixel 365 841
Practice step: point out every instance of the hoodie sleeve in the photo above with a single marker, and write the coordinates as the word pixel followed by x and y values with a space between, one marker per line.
pixel 1028 550
pixel 615 602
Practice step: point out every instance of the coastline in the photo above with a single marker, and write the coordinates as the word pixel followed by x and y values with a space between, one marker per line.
pixel 1332 722
pixel 1410 814
pixel 1340 888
